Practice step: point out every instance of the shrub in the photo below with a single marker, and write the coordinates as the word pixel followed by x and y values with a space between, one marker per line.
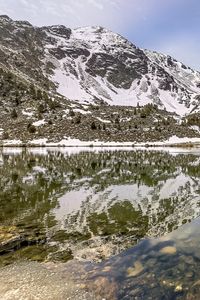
pixel 5 135
pixel 31 128
pixel 41 108
pixel 71 113
pixel 77 119
pixel 14 114
pixel 93 126
pixel 143 115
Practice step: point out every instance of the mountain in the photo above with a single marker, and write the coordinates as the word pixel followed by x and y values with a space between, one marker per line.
pixel 99 64
pixel 83 68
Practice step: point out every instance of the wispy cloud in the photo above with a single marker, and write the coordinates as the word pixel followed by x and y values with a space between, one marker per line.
pixel 96 4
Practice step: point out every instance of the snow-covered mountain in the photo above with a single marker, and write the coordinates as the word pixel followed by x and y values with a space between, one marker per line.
pixel 93 64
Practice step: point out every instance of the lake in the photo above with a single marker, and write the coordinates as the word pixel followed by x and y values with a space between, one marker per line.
pixel 58 204
pixel 164 268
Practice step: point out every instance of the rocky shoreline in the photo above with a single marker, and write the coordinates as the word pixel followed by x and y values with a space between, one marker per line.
pixel 155 268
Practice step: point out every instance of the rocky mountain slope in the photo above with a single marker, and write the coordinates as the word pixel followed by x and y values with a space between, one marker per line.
pixel 56 82
pixel 99 64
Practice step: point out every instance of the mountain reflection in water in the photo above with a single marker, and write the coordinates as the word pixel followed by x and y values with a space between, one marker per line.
pixel 93 203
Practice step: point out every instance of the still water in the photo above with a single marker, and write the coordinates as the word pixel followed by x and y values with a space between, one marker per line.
pixel 58 204
pixel 164 268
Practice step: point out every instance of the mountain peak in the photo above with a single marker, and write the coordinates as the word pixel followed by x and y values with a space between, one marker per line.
pixel 92 63
pixel 23 23
pixel 92 29
pixel 5 18
pixel 8 20
pixel 58 30
pixel 98 34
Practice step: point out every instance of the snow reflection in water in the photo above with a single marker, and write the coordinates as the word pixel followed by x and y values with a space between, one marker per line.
pixel 94 203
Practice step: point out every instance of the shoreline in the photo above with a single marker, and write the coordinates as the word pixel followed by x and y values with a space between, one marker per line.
pixel 77 279
pixel 112 145
pixel 68 142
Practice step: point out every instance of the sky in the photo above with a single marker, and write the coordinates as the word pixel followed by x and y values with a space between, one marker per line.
pixel 168 26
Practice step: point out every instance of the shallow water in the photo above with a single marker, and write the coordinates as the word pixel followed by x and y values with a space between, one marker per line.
pixel 164 268
pixel 92 204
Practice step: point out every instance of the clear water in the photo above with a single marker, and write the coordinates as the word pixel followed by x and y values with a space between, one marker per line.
pixel 92 204
pixel 164 268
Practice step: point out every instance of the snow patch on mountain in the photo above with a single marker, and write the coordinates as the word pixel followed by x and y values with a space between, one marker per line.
pixel 76 57
pixel 68 86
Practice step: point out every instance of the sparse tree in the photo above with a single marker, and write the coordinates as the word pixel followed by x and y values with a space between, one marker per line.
pixel 14 114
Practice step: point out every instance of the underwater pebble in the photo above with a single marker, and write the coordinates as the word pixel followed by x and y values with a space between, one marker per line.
pixel 178 288
pixel 134 271
pixel 168 250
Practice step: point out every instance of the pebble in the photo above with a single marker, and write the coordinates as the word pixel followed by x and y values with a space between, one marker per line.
pixel 136 270
pixel 168 250
pixel 178 288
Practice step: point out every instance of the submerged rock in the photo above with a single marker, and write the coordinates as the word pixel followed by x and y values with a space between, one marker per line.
pixel 136 270
pixel 168 250
pixel 10 238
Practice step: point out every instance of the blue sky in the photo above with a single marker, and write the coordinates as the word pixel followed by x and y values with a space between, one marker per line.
pixel 168 26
